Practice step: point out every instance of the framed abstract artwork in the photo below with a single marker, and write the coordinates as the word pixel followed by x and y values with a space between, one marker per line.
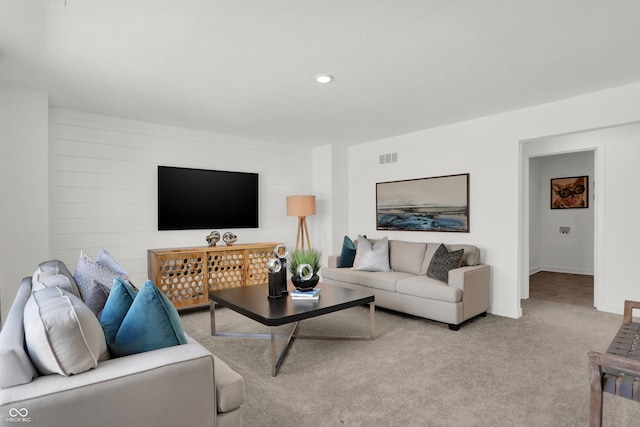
pixel 569 193
pixel 426 204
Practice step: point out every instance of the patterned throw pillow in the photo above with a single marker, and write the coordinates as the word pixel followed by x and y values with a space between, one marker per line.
pixel 105 258
pixel 372 257
pixel 442 262
pixel 103 270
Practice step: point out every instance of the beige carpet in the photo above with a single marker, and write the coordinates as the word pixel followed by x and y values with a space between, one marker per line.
pixel 495 371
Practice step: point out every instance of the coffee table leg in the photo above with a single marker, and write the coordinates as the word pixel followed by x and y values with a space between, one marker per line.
pixel 372 319
pixel 212 306
pixel 275 364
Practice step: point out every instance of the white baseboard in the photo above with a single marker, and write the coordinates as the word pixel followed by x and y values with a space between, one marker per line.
pixel 610 308
pixel 568 270
pixel 504 311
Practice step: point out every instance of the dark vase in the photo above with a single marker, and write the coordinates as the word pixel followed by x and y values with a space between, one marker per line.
pixel 305 285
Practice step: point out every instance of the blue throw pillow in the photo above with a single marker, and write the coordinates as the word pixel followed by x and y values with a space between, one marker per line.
pixel 135 323
pixel 116 308
pixel 348 253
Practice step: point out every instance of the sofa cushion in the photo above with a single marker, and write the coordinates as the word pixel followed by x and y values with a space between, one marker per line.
pixel 15 365
pixel 372 257
pixel 230 392
pixel 348 253
pixel 135 323
pixel 52 273
pixel 443 261
pixel 62 335
pixel 340 274
pixel 425 287
pixel 384 280
pixel 406 256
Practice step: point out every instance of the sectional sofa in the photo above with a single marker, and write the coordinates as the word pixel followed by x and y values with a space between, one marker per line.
pixel 407 288
pixel 172 386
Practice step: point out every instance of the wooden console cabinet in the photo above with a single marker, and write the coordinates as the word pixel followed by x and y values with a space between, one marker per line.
pixel 186 275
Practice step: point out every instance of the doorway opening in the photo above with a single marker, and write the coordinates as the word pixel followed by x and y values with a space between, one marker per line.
pixel 559 247
pixel 561 229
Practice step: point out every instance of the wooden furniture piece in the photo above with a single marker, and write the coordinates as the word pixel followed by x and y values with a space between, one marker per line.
pixel 253 303
pixel 618 370
pixel 186 275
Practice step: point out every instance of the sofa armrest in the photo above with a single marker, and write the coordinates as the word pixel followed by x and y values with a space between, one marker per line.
pixel 333 261
pixel 475 283
pixel 153 388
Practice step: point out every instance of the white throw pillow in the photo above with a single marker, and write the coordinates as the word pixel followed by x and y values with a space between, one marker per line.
pixel 372 257
pixel 62 334
pixel 42 277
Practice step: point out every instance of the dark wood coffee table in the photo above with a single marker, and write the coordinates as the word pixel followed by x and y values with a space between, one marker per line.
pixel 252 302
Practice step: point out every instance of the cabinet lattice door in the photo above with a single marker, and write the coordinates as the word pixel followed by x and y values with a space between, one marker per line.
pixel 186 275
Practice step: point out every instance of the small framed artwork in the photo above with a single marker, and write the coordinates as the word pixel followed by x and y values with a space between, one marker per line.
pixel 570 193
pixel 426 204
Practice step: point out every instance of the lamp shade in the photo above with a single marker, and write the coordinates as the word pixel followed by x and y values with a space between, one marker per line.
pixel 301 206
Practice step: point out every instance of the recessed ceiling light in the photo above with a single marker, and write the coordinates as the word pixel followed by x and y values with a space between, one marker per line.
pixel 324 78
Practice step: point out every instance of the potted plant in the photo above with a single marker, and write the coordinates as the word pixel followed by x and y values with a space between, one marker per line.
pixel 304 267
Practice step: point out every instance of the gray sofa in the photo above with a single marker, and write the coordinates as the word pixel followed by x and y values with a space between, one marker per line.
pixel 172 386
pixel 406 288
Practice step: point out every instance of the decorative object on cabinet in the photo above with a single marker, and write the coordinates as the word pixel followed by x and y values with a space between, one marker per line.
pixel 278 272
pixel 427 204
pixel 186 275
pixel 302 207
pixel 213 238
pixel 229 238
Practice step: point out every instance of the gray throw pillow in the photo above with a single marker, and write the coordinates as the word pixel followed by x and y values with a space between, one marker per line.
pixel 372 257
pixel 96 297
pixel 442 262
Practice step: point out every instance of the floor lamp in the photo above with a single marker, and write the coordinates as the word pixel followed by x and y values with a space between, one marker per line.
pixel 302 207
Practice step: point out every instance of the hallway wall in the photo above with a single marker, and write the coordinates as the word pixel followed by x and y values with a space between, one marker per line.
pixel 551 250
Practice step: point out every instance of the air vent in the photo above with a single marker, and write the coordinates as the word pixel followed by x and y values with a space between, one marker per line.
pixel 388 158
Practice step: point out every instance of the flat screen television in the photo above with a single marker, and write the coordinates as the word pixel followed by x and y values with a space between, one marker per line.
pixel 190 199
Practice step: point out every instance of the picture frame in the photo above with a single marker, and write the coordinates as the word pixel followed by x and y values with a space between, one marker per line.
pixel 438 203
pixel 570 192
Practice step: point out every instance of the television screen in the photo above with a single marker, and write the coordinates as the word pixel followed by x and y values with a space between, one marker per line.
pixel 191 199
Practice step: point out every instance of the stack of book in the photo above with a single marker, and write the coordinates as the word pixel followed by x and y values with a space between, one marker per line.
pixel 313 295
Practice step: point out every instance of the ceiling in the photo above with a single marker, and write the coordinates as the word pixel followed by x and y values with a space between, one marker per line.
pixel 247 67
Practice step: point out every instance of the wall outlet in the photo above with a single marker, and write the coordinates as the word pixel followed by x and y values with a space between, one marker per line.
pixel 565 230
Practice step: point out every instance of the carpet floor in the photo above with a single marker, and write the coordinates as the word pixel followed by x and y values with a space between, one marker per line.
pixel 495 371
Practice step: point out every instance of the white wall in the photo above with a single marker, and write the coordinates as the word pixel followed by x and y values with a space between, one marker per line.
pixel 489 149
pixel 534 235
pixel 104 189
pixel 553 251
pixel 331 186
pixel 24 210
